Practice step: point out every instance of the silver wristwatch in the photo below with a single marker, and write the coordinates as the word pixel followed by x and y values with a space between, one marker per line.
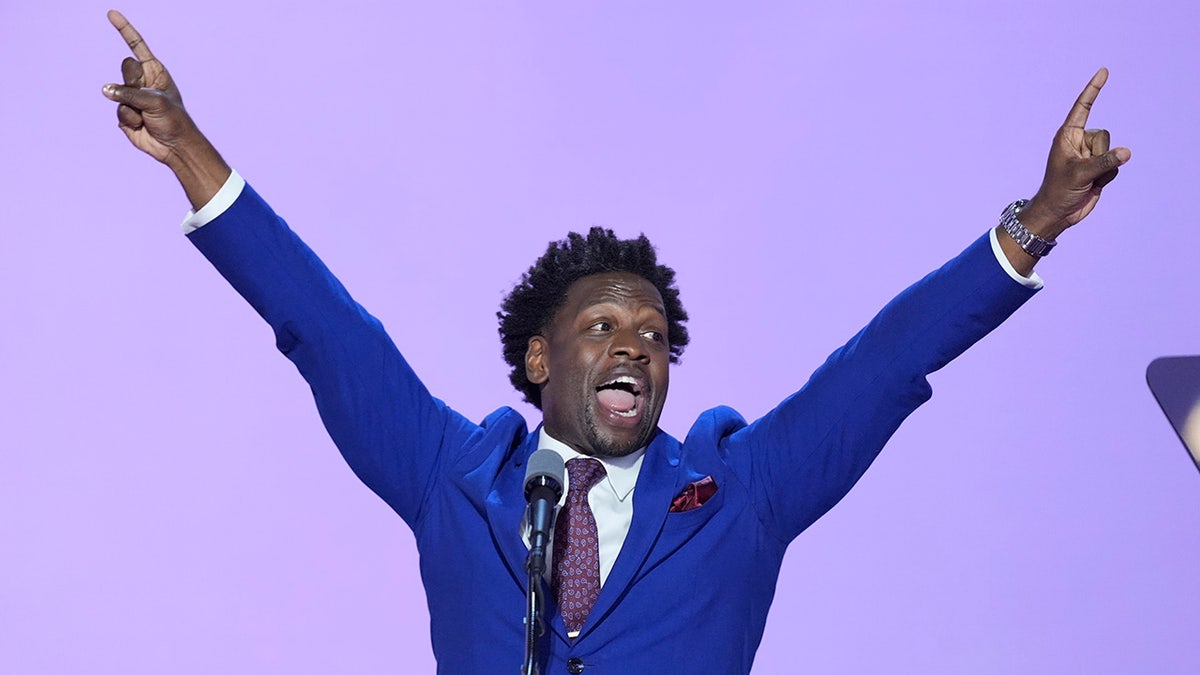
pixel 1030 242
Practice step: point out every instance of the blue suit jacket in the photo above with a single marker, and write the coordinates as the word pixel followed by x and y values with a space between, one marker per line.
pixel 688 588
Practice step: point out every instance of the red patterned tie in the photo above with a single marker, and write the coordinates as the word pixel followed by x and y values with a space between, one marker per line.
pixel 576 575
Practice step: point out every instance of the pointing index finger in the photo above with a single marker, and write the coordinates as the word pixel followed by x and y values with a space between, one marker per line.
pixel 1083 105
pixel 132 38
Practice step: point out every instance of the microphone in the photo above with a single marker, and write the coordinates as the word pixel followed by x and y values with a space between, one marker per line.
pixel 543 488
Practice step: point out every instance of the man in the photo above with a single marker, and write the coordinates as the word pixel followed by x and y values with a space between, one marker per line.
pixel 677 546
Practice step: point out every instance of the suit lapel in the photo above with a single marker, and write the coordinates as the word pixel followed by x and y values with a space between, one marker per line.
pixel 656 486
pixel 506 507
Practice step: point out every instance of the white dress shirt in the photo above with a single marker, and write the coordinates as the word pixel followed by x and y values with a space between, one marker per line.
pixel 611 499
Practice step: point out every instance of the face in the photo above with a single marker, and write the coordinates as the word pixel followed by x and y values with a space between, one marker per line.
pixel 603 365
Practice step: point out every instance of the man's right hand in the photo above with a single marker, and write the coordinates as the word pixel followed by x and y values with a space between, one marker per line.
pixel 151 114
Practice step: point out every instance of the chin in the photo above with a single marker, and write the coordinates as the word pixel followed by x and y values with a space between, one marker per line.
pixel 609 445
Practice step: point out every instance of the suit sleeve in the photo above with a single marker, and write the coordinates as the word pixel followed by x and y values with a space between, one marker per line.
pixel 391 431
pixel 802 457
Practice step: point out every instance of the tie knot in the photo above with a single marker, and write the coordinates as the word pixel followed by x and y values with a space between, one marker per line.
pixel 583 473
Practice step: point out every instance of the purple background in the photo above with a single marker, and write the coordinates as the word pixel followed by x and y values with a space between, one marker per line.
pixel 171 502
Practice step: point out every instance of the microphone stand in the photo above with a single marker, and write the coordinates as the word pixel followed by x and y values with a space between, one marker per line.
pixel 540 511
pixel 543 488
pixel 535 563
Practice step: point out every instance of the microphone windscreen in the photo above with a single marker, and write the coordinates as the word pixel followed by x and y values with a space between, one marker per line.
pixel 545 468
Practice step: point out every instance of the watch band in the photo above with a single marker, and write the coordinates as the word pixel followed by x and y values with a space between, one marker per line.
pixel 1028 241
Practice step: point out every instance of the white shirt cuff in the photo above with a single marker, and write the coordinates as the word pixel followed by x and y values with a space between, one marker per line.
pixel 219 203
pixel 1032 281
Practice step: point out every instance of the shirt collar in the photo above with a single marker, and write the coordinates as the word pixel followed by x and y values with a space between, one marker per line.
pixel 622 472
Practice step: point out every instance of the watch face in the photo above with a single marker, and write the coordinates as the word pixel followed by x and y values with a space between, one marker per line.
pixel 1175 382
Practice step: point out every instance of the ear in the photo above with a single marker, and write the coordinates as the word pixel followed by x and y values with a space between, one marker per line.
pixel 537 366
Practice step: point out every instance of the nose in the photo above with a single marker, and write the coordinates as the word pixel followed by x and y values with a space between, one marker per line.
pixel 627 343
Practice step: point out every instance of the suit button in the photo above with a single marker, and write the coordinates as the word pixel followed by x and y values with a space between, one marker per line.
pixel 575 666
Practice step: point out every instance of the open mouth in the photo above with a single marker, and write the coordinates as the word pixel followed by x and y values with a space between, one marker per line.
pixel 621 396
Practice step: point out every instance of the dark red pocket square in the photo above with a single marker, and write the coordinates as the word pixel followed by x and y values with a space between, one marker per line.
pixel 694 495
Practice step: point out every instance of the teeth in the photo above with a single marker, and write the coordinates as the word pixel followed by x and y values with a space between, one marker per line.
pixel 633 384
pixel 631 413
pixel 624 379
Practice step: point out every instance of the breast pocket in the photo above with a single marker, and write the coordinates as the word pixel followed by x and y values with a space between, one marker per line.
pixel 695 516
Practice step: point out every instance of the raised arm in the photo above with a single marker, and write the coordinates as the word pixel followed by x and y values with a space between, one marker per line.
pixel 391 431
pixel 804 455
pixel 151 114
pixel 1079 166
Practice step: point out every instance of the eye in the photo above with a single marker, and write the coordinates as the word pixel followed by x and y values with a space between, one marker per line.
pixel 654 336
pixel 601 326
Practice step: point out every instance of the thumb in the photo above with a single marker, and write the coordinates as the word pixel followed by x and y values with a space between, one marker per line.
pixel 146 100
pixel 1102 169
pixel 1106 163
